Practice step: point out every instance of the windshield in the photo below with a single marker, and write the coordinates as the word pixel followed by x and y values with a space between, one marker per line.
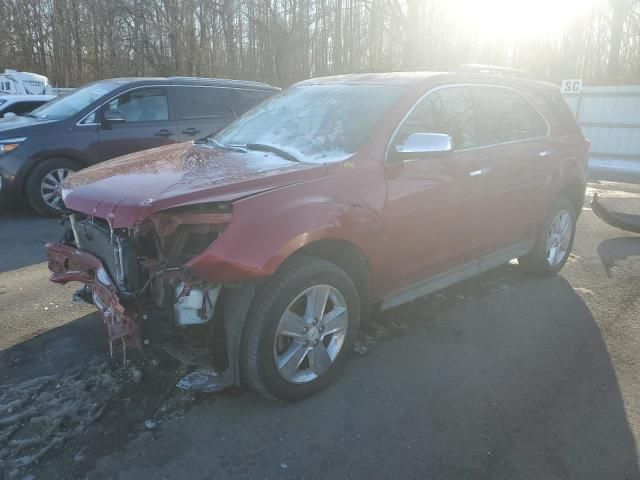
pixel 64 106
pixel 313 123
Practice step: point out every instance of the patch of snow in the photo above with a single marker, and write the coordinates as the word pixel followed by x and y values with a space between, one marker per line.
pixel 617 165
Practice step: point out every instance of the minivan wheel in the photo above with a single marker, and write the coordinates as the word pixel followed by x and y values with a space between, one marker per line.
pixel 43 183
pixel 300 329
pixel 555 239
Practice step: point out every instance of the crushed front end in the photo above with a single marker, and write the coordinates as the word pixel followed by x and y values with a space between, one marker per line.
pixel 138 277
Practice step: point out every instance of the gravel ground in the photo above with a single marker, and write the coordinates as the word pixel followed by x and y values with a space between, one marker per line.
pixel 503 376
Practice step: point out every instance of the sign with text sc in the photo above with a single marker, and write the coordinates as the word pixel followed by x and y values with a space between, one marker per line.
pixel 572 85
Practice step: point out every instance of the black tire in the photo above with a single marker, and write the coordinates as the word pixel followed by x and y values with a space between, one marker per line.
pixel 536 261
pixel 299 273
pixel 34 181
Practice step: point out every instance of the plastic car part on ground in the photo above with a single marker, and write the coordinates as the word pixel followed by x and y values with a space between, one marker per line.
pixel 204 379
pixel 623 221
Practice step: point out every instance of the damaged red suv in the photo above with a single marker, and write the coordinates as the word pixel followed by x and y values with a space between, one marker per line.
pixel 277 236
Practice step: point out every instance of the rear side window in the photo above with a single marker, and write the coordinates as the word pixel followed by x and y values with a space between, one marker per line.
pixel 247 99
pixel 554 107
pixel 449 110
pixel 504 115
pixel 142 105
pixel 205 102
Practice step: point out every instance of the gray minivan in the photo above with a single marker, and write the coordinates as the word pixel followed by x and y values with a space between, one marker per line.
pixel 110 118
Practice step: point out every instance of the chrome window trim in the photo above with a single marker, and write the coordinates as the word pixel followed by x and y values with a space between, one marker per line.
pixel 80 124
pixel 468 85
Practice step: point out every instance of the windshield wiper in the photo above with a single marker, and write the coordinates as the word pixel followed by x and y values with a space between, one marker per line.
pixel 233 148
pixel 270 148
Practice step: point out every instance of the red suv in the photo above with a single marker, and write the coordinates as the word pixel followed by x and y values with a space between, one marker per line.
pixel 278 235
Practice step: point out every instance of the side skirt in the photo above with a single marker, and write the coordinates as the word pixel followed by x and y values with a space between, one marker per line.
pixel 455 275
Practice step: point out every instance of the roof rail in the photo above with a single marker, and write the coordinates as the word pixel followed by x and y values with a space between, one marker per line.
pixel 492 70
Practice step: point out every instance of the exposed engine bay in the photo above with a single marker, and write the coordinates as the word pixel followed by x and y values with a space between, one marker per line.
pixel 139 278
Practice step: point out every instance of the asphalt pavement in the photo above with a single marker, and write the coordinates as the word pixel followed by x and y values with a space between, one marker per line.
pixel 504 376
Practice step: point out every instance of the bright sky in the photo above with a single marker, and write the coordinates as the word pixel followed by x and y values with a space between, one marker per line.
pixel 518 18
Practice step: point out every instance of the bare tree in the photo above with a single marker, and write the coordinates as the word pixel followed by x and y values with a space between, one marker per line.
pixel 282 41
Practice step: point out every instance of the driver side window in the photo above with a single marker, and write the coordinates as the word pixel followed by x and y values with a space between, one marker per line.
pixel 450 111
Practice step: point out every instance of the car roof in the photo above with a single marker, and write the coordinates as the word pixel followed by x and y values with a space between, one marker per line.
pixel 217 82
pixel 20 97
pixel 424 78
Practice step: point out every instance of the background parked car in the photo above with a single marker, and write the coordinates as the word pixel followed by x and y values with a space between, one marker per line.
pixel 110 118
pixel 21 104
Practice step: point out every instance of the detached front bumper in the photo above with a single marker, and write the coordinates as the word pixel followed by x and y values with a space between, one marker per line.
pixel 70 264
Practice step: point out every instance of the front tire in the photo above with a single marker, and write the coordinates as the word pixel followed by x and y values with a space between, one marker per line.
pixel 554 241
pixel 300 329
pixel 43 181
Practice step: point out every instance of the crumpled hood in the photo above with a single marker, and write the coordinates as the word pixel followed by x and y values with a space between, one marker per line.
pixel 128 189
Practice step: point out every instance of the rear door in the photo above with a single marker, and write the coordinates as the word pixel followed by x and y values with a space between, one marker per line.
pixel 513 155
pixel 149 123
pixel 203 110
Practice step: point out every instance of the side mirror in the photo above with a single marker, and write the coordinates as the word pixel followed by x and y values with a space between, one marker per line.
pixel 423 145
pixel 9 115
pixel 112 117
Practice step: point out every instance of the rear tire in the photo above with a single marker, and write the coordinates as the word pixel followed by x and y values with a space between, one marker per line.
pixel 553 244
pixel 289 350
pixel 43 180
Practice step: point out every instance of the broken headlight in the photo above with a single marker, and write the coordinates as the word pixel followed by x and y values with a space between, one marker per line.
pixel 185 232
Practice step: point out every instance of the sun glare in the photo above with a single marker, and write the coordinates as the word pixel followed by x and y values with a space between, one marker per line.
pixel 518 18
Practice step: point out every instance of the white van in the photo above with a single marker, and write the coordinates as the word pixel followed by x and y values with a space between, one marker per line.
pixel 13 82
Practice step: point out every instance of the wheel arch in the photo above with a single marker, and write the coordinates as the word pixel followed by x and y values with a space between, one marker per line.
pixel 237 300
pixel 574 192
pixel 348 257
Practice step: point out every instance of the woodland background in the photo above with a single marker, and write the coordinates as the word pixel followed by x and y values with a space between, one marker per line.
pixel 282 41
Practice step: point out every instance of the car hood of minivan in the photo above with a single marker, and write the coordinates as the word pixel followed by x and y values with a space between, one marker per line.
pixel 21 126
pixel 126 190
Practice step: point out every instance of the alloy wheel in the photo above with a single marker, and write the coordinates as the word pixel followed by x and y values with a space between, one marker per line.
pixel 310 334
pixel 51 184
pixel 559 237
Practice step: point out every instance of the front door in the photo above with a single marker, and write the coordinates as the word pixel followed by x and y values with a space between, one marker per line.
pixel 148 123
pixel 433 215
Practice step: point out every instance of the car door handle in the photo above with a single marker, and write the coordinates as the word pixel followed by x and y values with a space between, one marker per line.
pixel 190 131
pixel 479 172
pixel 545 153
pixel 163 133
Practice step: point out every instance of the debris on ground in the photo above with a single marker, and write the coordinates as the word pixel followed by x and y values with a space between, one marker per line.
pixel 136 375
pixel 150 424
pixel 40 414
pixel 378 330
pixel 393 323
pixel 204 379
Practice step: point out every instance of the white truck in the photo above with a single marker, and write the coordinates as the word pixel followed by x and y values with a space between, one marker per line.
pixel 13 82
